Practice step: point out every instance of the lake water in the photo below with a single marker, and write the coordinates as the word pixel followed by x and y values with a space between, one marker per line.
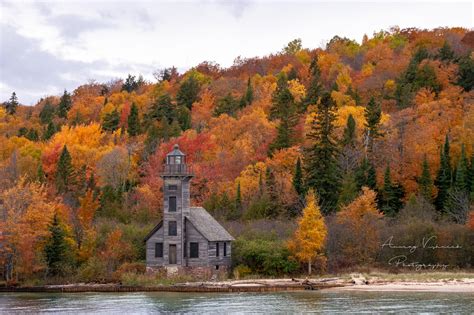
pixel 282 302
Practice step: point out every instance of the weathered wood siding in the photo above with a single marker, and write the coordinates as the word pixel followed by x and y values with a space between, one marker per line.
pixel 151 260
pixel 194 236
pixel 221 260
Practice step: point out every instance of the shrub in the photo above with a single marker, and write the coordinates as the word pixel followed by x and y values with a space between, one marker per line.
pixel 241 271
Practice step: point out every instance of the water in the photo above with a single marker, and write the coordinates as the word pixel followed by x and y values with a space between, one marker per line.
pixel 336 302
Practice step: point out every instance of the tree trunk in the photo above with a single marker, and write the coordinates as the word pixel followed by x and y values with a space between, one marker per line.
pixel 309 267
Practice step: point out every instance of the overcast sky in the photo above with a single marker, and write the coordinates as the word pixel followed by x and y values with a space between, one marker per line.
pixel 47 46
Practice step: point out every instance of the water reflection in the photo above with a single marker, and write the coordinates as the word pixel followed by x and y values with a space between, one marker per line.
pixel 286 302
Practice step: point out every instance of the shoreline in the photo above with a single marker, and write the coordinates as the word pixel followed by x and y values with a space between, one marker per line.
pixel 356 283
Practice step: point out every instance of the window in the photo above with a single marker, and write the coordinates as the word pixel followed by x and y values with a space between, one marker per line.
pixel 172 228
pixel 172 187
pixel 194 250
pixel 217 249
pixel 172 204
pixel 159 250
pixel 225 249
pixel 217 267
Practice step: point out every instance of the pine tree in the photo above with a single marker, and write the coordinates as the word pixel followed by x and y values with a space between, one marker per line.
pixel 445 53
pixel 274 208
pixel 321 158
pixel 461 182
pixel 466 73
pixel 51 129
pixel 284 109
pixel 238 200
pixel 64 172
pixel 443 178
pixel 425 183
pixel 298 179
pixel 392 194
pixel 373 114
pixel 133 121
pixel 65 104
pixel 248 96
pixel 152 140
pixel 227 105
pixel 471 177
pixel 162 108
pixel 188 92
pixel 315 89
pixel 348 137
pixel 47 113
pixel 40 176
pixel 12 104
pixel 111 121
pixel 56 247
pixel 32 135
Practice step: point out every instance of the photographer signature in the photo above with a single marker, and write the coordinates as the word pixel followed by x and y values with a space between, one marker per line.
pixel 426 243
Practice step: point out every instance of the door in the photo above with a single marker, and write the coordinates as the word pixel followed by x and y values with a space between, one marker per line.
pixel 172 254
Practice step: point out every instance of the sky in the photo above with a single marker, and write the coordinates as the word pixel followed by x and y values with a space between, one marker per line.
pixel 49 46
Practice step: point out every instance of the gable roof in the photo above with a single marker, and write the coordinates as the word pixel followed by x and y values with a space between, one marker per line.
pixel 156 228
pixel 207 225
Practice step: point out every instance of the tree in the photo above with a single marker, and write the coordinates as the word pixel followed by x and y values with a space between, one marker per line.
pixel 293 47
pixel 64 172
pixel 65 104
pixel 188 92
pixel 284 109
pixel 227 105
pixel 365 175
pixel 111 121
pixel 298 179
pixel 461 179
pixel 373 114
pixel 51 129
pixel 131 84
pixel 133 126
pixel 315 88
pixel 12 104
pixel 47 113
pixel 310 236
pixel 349 135
pixel 274 207
pixel 391 195
pixel 466 73
pixel 247 97
pixel 446 53
pixel 238 203
pixel 161 109
pixel 321 164
pixel 425 183
pixel 443 178
pixel 56 247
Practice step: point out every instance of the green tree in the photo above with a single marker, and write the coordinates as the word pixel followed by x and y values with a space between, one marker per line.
pixel 365 175
pixel 12 104
pixel 51 129
pixel 373 114
pixel 274 206
pixel 315 88
pixel 111 121
pixel 247 97
pixel 64 172
pixel 298 179
pixel 293 47
pixel 47 113
pixel 284 109
pixel 466 73
pixel 349 135
pixel 461 180
pixel 133 127
pixel 445 53
pixel 65 104
pixel 391 195
pixel 132 84
pixel 56 248
pixel 226 105
pixel 32 135
pixel 162 108
pixel 40 176
pixel 425 183
pixel 321 157
pixel 188 92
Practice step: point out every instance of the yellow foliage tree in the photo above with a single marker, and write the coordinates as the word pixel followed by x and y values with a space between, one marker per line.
pixel 310 236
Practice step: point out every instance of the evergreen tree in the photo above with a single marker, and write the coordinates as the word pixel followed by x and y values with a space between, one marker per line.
pixel 283 109
pixel 12 104
pixel 40 176
pixel 461 182
pixel 47 113
pixel 466 73
pixel 373 114
pixel 65 104
pixel 238 200
pixel 425 183
pixel 162 108
pixel 64 172
pixel 274 208
pixel 321 164
pixel 56 247
pixel 315 88
pixel 188 92
pixel 133 121
pixel 247 98
pixel 349 189
pixel 111 121
pixel 365 175
pixel 298 179
pixel 445 53
pixel 227 105
pixel 175 129
pixel 392 194
pixel 152 140
pixel 183 117
pixel 131 84
pixel 32 135
pixel 51 129
pixel 443 179
pixel 349 137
